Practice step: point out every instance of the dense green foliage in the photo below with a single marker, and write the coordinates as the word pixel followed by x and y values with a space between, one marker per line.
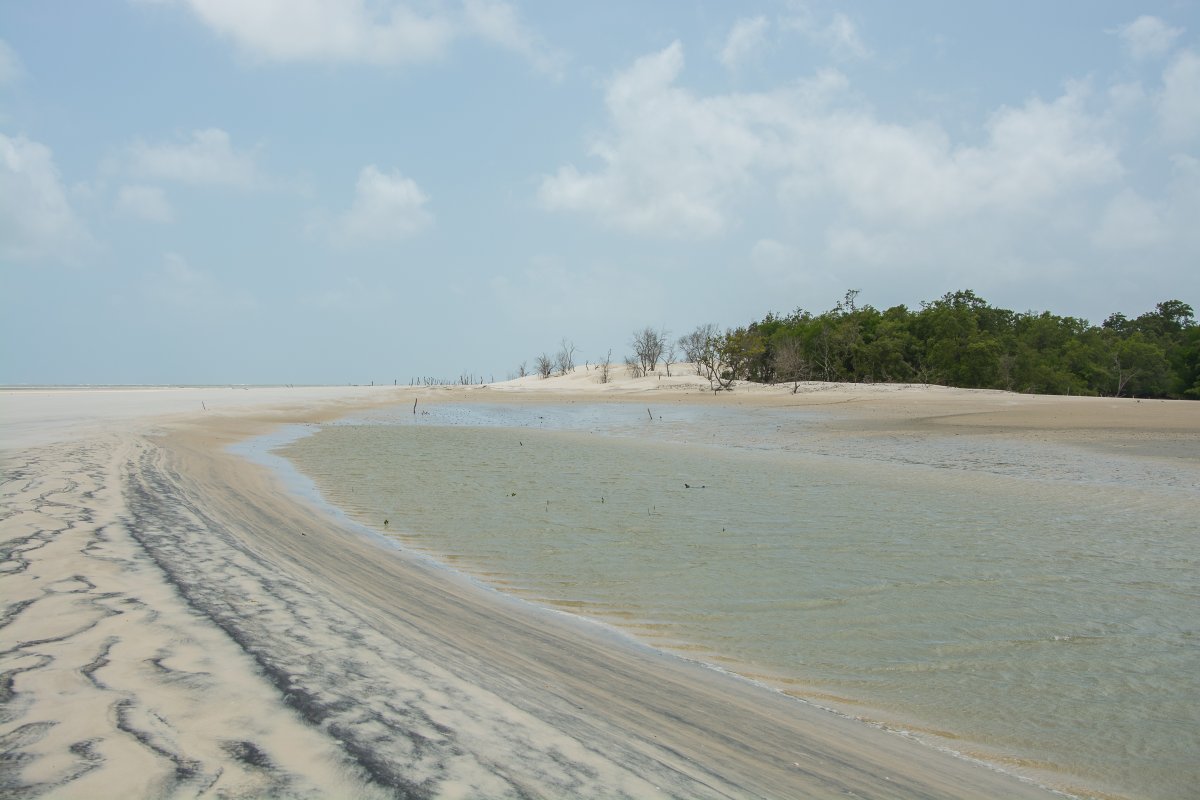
pixel 960 340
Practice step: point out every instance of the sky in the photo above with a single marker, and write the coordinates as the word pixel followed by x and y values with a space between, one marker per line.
pixel 348 191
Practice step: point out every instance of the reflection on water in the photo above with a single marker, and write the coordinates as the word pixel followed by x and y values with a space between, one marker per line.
pixel 1034 607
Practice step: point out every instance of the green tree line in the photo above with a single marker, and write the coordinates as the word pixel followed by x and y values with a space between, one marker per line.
pixel 961 340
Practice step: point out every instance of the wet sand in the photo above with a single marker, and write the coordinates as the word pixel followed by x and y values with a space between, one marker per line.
pixel 175 623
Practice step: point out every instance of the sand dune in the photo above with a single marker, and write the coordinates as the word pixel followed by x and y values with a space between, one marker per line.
pixel 176 624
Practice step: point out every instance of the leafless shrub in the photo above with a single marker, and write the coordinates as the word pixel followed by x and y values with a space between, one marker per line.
pixel 669 355
pixel 716 360
pixel 564 360
pixel 790 363
pixel 648 345
pixel 605 366
pixel 695 344
pixel 544 366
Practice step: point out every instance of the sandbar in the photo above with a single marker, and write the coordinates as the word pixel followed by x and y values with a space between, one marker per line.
pixel 177 623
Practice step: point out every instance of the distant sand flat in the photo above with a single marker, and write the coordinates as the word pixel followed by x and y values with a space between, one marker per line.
pixel 175 623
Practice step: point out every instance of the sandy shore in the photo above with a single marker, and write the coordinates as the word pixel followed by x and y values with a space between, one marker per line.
pixel 175 623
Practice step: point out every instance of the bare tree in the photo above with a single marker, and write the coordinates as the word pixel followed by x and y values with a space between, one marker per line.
pixel 634 366
pixel 564 360
pixel 717 360
pixel 648 345
pixel 544 366
pixel 731 355
pixel 789 362
pixel 521 370
pixel 669 355
pixel 923 373
pixel 605 366
pixel 826 347
pixel 695 343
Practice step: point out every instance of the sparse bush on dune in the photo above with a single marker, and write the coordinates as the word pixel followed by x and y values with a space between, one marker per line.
pixel 648 347
pixel 564 360
pixel 957 340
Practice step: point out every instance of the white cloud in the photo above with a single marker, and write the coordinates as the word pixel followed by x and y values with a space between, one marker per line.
pixel 36 219
pixel 1126 99
pixel 777 263
pixel 839 36
pixel 915 174
pixel 1178 105
pixel 673 159
pixel 385 207
pixel 382 32
pixel 147 203
pixel 745 39
pixel 1129 222
pixel 842 36
pixel 850 245
pixel 350 295
pixel 345 30
pixel 771 252
pixel 1181 206
pixel 1149 37
pixel 206 159
pixel 177 285
pixel 10 65
pixel 618 295
pixel 498 23
pixel 676 163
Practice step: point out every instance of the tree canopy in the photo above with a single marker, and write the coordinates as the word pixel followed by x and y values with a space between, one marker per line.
pixel 961 340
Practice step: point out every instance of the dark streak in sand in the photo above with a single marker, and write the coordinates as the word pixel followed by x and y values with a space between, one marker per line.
pixel 185 769
pixel 99 662
pixel 683 743
pixel 162 527
pixel 429 686
pixel 248 753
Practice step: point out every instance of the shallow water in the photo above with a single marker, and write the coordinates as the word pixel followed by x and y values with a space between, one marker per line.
pixel 1037 607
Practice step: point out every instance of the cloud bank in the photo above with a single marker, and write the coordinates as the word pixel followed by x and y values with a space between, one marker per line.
pixel 356 31
pixel 675 163
pixel 37 222
pixel 386 207
pixel 206 158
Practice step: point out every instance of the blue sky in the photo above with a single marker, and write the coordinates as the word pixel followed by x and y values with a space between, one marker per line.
pixel 298 191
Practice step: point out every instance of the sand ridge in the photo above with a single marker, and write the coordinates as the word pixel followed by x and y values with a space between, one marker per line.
pixel 175 624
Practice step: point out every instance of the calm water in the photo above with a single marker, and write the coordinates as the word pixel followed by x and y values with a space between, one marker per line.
pixel 1037 607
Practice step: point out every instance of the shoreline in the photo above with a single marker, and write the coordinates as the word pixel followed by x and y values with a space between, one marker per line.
pixel 384 675
pixel 458 413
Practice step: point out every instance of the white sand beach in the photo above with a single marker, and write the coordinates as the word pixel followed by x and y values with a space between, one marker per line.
pixel 177 623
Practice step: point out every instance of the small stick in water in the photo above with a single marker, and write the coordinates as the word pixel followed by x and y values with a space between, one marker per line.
pixel 414 405
pixel 651 415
